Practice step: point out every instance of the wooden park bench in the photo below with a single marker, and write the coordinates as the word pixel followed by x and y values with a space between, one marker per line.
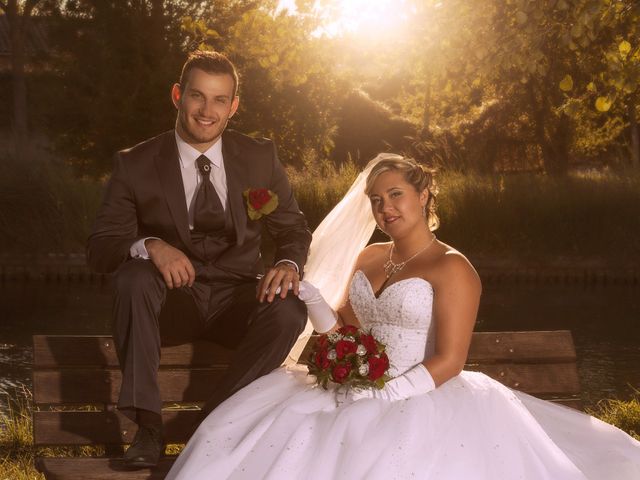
pixel 76 381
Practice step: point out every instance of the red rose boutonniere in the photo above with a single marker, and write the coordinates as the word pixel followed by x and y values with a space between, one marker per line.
pixel 260 201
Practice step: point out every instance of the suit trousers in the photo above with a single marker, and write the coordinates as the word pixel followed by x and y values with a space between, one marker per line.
pixel 220 307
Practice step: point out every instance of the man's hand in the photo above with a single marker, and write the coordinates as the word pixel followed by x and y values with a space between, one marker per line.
pixel 282 275
pixel 175 267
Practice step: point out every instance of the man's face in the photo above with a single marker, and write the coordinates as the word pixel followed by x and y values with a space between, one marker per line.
pixel 204 105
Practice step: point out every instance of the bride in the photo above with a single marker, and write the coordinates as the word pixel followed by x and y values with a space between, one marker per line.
pixel 420 297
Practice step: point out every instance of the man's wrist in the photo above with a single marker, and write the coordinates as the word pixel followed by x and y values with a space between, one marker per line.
pixel 288 262
pixel 150 243
pixel 139 248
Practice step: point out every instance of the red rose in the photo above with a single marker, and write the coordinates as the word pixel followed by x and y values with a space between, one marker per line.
pixel 259 197
pixel 369 343
pixel 348 330
pixel 344 347
pixel 323 341
pixel 321 359
pixel 341 372
pixel 377 366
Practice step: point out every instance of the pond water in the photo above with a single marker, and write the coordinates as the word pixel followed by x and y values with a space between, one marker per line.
pixel 605 322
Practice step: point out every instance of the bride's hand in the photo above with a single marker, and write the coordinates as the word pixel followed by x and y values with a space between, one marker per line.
pixel 322 316
pixel 415 381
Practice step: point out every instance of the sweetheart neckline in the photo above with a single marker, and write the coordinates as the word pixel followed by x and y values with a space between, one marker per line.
pixel 390 286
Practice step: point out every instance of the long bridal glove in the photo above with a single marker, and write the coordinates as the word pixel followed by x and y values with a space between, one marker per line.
pixel 322 316
pixel 415 381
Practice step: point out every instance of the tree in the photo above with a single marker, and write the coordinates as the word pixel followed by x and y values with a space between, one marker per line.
pixel 116 62
pixel 605 97
pixel 514 59
pixel 18 15
pixel 288 88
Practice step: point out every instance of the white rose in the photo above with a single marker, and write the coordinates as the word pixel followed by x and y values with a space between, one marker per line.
pixel 332 355
pixel 364 369
pixel 361 350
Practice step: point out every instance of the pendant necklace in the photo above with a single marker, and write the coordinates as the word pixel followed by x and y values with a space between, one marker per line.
pixel 391 268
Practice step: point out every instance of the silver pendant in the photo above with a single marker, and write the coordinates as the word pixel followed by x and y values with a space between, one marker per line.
pixel 391 268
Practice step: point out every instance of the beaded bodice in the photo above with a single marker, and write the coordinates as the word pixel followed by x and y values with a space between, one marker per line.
pixel 400 318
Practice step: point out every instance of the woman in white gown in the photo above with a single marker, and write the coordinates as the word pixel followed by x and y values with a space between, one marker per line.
pixel 432 420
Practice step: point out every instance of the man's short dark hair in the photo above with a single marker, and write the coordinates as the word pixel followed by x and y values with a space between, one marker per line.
pixel 210 62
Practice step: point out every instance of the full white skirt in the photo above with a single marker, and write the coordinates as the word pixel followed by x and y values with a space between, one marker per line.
pixel 470 428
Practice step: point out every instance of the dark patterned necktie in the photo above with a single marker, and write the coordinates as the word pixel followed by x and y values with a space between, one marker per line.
pixel 208 214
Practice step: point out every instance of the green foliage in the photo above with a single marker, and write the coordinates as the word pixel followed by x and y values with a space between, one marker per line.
pixel 514 85
pixel 286 76
pixel 527 60
pixel 623 414
pixel 16 438
pixel 514 214
pixel 44 207
pixel 115 63
pixel 319 185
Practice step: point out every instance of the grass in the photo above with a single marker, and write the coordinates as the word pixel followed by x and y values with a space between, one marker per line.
pixel 589 215
pixel 17 452
pixel 623 414
pixel 44 208
pixel 319 186
pixel 525 215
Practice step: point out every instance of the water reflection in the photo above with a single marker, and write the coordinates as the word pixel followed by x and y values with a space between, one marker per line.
pixel 604 321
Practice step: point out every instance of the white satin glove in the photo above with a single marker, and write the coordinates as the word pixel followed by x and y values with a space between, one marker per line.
pixel 322 316
pixel 413 382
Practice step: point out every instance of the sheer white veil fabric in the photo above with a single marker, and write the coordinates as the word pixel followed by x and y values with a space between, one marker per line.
pixel 336 243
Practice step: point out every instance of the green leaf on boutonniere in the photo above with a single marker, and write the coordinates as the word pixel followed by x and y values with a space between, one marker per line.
pixel 260 201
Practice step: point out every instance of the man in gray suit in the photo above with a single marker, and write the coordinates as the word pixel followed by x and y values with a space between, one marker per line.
pixel 179 227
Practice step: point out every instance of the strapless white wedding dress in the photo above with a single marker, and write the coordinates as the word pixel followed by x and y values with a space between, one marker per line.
pixel 470 428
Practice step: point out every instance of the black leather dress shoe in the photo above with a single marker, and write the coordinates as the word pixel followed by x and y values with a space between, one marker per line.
pixel 146 448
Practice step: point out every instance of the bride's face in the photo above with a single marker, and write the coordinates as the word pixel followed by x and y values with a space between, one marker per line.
pixel 396 204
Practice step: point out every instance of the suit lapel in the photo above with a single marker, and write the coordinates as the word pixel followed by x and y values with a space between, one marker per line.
pixel 168 166
pixel 233 170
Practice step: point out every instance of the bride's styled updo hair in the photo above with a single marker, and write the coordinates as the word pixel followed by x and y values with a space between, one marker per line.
pixel 415 174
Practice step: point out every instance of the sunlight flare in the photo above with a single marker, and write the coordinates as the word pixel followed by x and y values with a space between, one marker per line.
pixel 366 16
pixel 344 17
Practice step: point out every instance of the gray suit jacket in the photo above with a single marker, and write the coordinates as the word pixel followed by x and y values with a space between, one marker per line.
pixel 145 198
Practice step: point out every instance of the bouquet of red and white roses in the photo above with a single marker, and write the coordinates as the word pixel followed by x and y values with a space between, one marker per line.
pixel 349 357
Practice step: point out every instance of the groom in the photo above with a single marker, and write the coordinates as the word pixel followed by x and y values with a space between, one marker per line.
pixel 176 229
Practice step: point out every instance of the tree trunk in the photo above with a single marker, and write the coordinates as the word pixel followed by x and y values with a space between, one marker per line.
pixel 18 26
pixel 553 138
pixel 426 113
pixel 635 134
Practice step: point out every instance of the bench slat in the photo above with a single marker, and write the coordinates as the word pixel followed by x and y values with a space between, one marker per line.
pixel 520 347
pixel 545 379
pixel 103 385
pixel 56 351
pixel 83 428
pixel 184 385
pixel 99 468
